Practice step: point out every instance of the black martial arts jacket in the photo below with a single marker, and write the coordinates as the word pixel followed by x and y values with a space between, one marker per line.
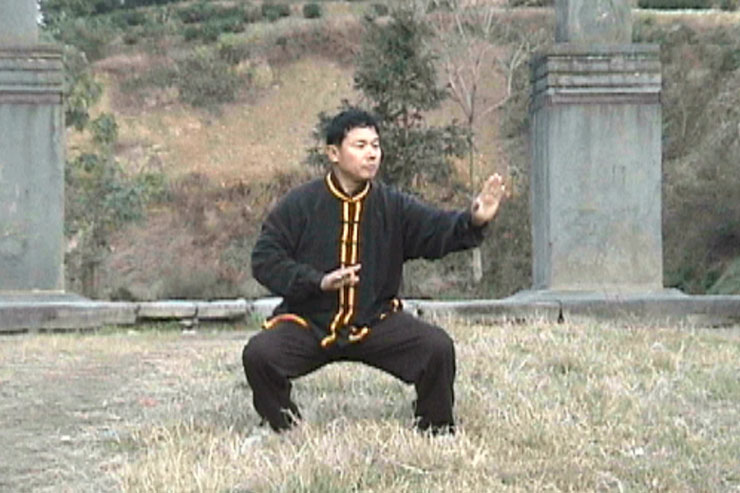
pixel 317 228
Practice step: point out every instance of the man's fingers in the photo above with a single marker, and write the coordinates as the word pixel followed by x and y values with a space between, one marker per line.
pixel 495 185
pixel 338 278
pixel 350 271
pixel 347 275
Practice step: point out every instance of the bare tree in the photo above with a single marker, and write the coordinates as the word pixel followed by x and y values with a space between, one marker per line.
pixel 477 42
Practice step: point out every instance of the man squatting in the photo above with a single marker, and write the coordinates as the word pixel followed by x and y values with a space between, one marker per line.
pixel 334 249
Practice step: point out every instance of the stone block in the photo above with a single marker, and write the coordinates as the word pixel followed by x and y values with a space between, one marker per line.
pixel 222 309
pixel 167 310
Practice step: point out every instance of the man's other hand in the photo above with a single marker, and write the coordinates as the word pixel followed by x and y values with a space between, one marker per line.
pixel 342 277
pixel 487 202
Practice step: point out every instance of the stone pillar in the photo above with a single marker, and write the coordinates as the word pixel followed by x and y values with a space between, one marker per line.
pixel 31 155
pixel 596 155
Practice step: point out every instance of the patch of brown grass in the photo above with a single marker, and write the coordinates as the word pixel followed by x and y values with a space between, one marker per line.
pixel 250 141
pixel 197 244
pixel 540 407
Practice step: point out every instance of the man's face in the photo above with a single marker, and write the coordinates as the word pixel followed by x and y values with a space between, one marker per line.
pixel 357 159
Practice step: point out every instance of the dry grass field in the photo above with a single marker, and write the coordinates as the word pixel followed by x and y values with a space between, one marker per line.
pixel 540 407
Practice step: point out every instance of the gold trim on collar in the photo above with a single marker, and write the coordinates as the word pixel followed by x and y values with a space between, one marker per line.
pixel 338 193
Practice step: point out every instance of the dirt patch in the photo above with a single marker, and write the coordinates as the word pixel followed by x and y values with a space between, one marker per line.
pixel 69 402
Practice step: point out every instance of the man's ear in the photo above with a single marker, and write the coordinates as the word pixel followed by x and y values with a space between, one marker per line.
pixel 332 152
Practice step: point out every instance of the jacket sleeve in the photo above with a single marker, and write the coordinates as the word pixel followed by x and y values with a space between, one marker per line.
pixel 273 256
pixel 433 233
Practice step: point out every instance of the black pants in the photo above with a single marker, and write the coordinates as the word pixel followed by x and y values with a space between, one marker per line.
pixel 402 345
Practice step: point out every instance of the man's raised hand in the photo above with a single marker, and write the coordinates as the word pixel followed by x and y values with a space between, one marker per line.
pixel 339 278
pixel 487 202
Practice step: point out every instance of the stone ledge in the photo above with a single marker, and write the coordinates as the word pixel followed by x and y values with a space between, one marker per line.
pixel 64 315
pixel 166 310
pixel 504 310
pixel 599 49
pixel 37 50
pixel 201 310
pixel 61 311
pixel 658 308
pixel 222 309
pixel 691 310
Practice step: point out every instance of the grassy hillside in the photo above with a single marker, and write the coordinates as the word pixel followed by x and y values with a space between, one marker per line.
pixel 226 162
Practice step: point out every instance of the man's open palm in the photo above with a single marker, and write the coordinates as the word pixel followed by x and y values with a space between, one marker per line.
pixel 487 202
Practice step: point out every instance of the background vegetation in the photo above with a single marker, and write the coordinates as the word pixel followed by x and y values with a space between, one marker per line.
pixel 202 60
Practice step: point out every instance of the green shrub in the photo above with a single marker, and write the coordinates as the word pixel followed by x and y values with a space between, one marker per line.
pixel 127 18
pixel 730 59
pixel 252 14
pixel 81 89
pixel 90 35
pixel 205 80
pixel 729 5
pixel 105 6
pixel 197 12
pixel 212 29
pixel 147 3
pixel 157 30
pixel 131 37
pixel 230 24
pixel 442 5
pixel 275 11
pixel 100 198
pixel 378 10
pixel 229 19
pixel 234 50
pixel 674 4
pixel 191 33
pixel 104 130
pixel 209 31
pixel 396 73
pixel 312 11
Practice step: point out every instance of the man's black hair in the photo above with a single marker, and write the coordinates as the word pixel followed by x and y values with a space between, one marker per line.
pixel 339 126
